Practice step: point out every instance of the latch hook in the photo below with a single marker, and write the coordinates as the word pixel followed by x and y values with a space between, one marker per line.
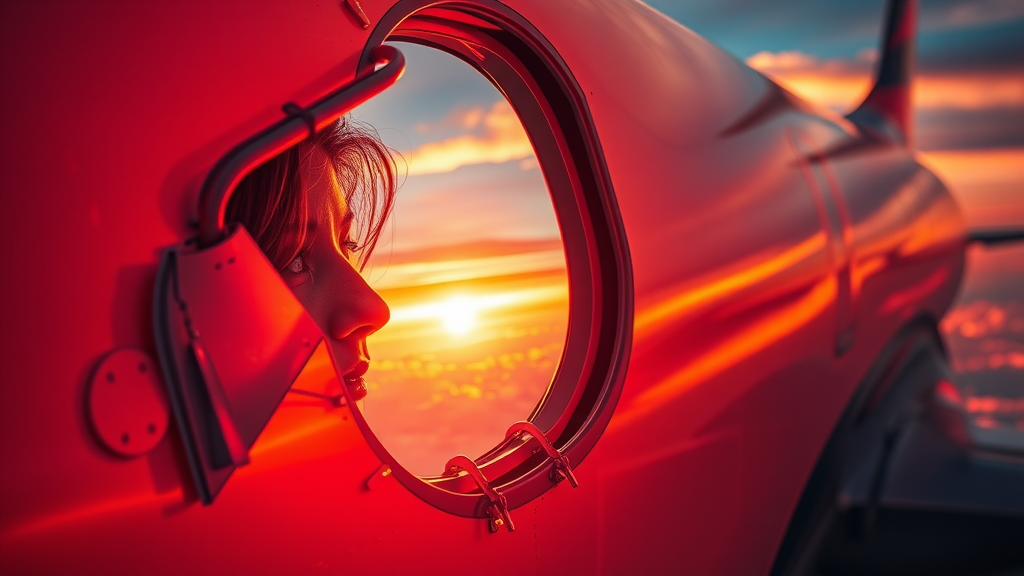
pixel 498 510
pixel 561 469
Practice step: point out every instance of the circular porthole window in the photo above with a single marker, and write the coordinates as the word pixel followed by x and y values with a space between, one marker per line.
pixel 471 265
pixel 228 360
pixel 581 364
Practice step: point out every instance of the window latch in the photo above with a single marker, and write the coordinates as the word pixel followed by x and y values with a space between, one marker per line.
pixel 561 469
pixel 497 511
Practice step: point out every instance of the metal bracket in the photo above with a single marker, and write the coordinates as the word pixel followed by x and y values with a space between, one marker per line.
pixel 498 509
pixel 383 472
pixel 226 421
pixel 561 470
pixel 357 11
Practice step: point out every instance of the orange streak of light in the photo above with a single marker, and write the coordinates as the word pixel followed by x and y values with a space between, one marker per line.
pixel 986 183
pixel 756 336
pixel 268 444
pixel 92 510
pixel 843 89
pixel 915 292
pixel 664 311
pixel 991 166
pixel 410 274
pixel 483 302
pixel 864 269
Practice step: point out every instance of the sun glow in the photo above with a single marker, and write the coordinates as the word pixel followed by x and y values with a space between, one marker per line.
pixel 458 315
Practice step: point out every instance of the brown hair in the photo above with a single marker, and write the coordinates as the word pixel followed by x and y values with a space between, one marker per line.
pixel 271 200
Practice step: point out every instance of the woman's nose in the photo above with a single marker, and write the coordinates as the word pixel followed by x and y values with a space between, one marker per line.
pixel 356 311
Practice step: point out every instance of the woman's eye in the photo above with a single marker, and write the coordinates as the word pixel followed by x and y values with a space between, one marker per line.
pixel 297 266
pixel 351 246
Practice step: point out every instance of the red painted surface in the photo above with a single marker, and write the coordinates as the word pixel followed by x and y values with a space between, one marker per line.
pixel 733 386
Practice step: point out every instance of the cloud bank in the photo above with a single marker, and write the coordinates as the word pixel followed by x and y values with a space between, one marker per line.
pixel 495 136
pixel 957 107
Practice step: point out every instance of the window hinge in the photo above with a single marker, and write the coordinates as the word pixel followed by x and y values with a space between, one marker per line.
pixel 561 469
pixel 497 511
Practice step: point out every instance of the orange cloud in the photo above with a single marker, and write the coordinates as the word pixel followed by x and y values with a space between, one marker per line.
pixel 464 118
pixel 842 84
pixel 980 167
pixel 500 138
pixel 969 91
pixel 457 270
pixel 986 183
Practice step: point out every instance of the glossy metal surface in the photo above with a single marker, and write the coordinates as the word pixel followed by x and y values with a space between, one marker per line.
pixel 769 273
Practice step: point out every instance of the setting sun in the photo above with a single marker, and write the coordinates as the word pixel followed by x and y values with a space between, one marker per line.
pixel 458 315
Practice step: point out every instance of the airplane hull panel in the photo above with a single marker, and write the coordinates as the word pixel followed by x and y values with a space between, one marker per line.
pixel 776 251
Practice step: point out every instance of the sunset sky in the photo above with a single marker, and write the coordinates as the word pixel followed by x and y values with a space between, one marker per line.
pixel 968 91
pixel 476 281
pixel 970 77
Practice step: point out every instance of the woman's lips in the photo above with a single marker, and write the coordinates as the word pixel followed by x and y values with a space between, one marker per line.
pixel 354 380
pixel 356 388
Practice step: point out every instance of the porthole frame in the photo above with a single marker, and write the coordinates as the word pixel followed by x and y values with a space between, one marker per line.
pixel 516 58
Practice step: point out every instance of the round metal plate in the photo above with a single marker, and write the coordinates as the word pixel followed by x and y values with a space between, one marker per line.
pixel 127 403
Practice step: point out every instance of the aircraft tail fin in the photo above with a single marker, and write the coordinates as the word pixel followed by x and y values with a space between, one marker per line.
pixel 887 106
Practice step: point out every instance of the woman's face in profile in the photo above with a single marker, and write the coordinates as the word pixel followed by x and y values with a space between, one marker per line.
pixel 325 279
